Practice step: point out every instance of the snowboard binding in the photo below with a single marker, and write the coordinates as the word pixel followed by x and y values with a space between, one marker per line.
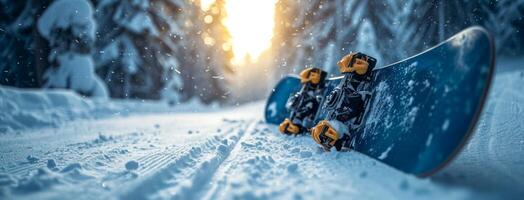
pixel 304 105
pixel 346 104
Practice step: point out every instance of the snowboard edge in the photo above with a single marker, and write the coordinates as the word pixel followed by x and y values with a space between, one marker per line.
pixel 478 111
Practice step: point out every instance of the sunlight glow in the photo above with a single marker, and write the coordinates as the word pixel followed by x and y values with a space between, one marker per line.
pixel 250 23
pixel 205 4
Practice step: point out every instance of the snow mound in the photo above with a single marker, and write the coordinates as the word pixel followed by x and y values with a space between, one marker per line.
pixel 24 109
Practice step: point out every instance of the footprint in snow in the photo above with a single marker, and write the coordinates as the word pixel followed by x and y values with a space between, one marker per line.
pixel 132 165
pixel 305 154
pixel 31 159
pixel 292 168
pixel 51 164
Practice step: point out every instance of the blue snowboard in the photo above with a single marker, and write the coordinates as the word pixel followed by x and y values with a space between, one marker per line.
pixel 423 109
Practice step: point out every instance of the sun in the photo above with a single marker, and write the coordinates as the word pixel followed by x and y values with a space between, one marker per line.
pixel 250 24
pixel 205 4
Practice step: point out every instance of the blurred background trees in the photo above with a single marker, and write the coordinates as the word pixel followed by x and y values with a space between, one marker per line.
pixel 142 49
pixel 319 32
pixel 176 50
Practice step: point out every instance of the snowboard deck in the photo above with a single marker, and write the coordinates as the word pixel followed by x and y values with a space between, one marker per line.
pixel 423 109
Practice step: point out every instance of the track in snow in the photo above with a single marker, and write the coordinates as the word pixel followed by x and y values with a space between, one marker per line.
pixel 223 155
pixel 232 154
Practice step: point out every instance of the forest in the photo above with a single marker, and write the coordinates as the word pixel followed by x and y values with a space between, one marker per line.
pixel 175 50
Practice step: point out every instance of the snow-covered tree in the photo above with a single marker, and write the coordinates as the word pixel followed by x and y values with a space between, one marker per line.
pixel 293 43
pixel 395 25
pixel 126 28
pixel 318 32
pixel 199 42
pixel 218 37
pixel 157 49
pixel 367 42
pixel 168 15
pixel 203 68
pixel 346 32
pixel 219 51
pixel 175 50
pixel 69 27
pixel 502 19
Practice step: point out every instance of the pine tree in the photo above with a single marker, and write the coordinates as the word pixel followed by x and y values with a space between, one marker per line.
pixel 163 56
pixel 125 28
pixel 219 49
pixel 203 76
pixel 23 50
pixel 340 34
pixel 318 33
pixel 502 19
pixel 291 41
pixel 315 33
pixel 169 17
pixel 397 25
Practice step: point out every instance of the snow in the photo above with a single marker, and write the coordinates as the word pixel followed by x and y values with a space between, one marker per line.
pixel 384 154
pixel 445 125
pixel 75 14
pixel 138 22
pixel 142 22
pixel 411 83
pixel 338 126
pixel 366 41
pixel 428 141
pixel 25 109
pixel 492 160
pixel 69 27
pixel 132 165
pixel 154 152
pixel 272 109
pixel 76 72
pixel 247 160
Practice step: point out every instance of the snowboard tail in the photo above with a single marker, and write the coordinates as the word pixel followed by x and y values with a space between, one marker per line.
pixel 423 109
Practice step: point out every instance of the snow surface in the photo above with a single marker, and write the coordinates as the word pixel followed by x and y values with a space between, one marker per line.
pixel 29 109
pixel 230 153
pixel 224 155
pixel 493 160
